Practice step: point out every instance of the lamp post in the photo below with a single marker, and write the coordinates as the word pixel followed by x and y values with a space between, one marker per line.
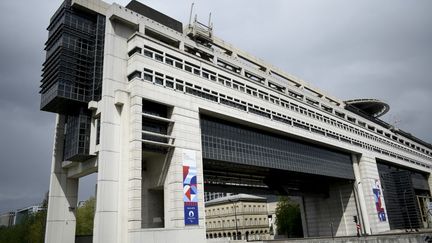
pixel 235 215
pixel 222 223
pixel 406 210
pixel 358 207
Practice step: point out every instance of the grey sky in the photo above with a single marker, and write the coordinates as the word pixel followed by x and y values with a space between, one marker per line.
pixel 350 49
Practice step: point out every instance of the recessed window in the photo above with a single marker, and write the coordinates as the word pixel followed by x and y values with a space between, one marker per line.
pixel 134 74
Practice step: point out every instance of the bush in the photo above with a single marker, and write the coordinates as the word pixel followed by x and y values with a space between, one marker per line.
pixel 288 218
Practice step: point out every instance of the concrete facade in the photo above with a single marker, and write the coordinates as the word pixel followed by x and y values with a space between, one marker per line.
pixel 140 194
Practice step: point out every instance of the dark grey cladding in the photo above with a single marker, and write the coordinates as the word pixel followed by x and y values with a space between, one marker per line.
pixel 401 187
pixel 155 15
pixel 72 73
pixel 77 134
pixel 231 142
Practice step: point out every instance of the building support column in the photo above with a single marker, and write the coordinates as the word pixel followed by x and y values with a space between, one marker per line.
pixel 430 183
pixel 363 220
pixel 63 195
pixel 187 135
pixel 107 220
pixel 368 180
pixel 135 168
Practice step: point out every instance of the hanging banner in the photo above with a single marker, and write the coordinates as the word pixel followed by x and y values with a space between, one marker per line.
pixel 190 193
pixel 376 189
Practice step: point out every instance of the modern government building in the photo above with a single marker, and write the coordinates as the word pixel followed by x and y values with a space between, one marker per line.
pixel 165 112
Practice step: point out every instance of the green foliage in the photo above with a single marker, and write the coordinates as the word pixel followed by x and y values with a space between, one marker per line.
pixel 288 218
pixel 32 227
pixel 85 216
pixel 31 230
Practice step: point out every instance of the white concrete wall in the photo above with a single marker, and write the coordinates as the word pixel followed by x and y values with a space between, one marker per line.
pixel 111 217
pixel 63 195
pixel 367 177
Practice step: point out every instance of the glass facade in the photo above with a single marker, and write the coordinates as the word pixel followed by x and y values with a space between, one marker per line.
pixel 77 136
pixel 231 142
pixel 72 73
pixel 400 188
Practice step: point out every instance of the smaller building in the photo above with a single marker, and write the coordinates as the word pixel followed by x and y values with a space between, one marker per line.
pixel 7 219
pixel 21 214
pixel 239 216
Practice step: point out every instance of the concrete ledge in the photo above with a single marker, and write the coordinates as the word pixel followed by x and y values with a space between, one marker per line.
pixel 386 238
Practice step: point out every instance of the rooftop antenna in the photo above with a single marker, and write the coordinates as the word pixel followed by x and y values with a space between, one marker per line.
pixel 394 122
pixel 210 26
pixel 190 15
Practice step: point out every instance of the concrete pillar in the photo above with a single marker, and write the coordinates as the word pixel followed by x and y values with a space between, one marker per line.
pixel 367 179
pixel 107 215
pixel 63 193
pixel 186 131
pixel 430 183
pixel 303 217
pixel 364 219
pixel 135 176
pixel 111 212
pixel 182 45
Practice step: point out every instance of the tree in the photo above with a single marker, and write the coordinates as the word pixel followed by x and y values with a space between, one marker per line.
pixel 31 228
pixel 288 218
pixel 85 215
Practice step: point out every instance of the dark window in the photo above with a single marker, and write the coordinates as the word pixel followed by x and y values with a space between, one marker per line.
pixel 153 108
pixel 134 74
pixel 98 125
pixel 134 50
pixel 148 53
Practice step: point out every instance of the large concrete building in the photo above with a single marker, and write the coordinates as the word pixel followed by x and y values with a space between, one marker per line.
pixel 163 112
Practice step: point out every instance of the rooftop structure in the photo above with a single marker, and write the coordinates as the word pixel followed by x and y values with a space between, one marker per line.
pixel 370 107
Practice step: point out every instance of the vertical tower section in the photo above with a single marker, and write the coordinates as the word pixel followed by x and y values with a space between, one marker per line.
pixel 72 73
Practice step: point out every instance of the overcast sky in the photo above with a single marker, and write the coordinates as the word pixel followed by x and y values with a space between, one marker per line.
pixel 350 49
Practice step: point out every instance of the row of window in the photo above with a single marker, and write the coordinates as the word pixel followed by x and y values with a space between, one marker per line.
pixel 210 75
pixel 218 223
pixel 239 210
pixel 205 74
pixel 252 235
pixel 226 141
pixel 177 84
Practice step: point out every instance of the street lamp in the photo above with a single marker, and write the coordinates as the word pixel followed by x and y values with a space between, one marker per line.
pixel 406 210
pixel 235 215
pixel 358 207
